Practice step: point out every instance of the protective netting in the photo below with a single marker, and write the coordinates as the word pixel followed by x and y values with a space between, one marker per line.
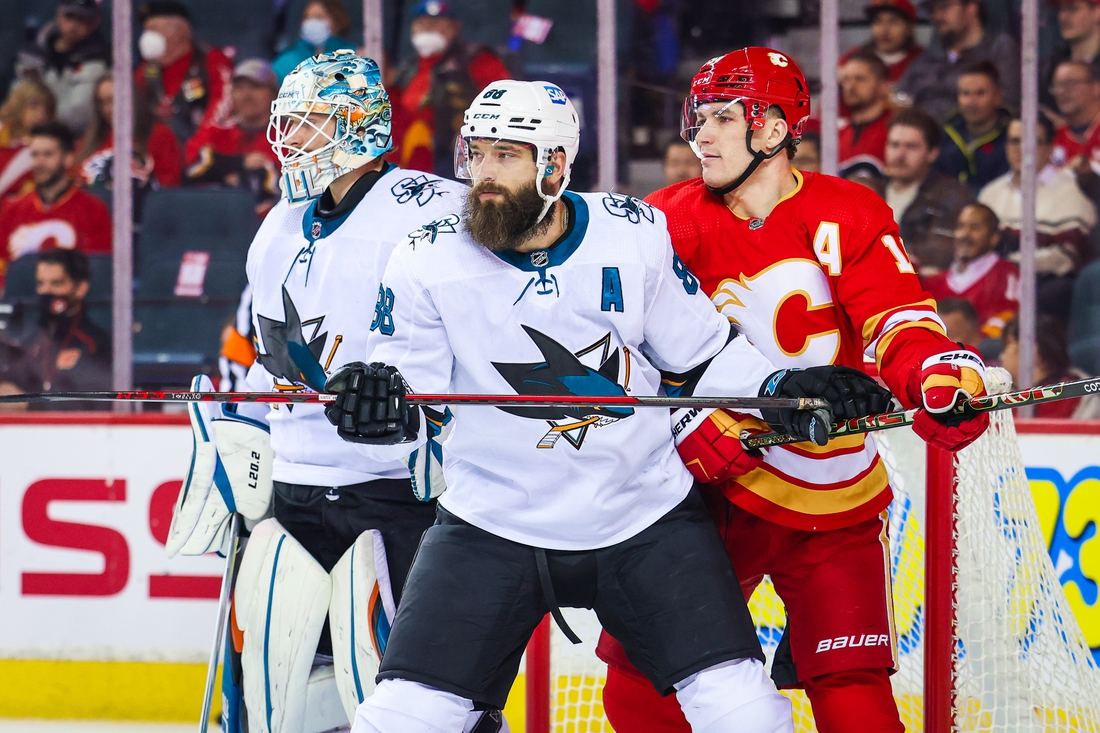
pixel 1021 662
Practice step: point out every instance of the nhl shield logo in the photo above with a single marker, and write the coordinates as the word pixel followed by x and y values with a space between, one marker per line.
pixel 539 258
pixel 316 230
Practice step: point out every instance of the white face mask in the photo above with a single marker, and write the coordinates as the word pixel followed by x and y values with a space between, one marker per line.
pixel 152 45
pixel 428 43
pixel 316 31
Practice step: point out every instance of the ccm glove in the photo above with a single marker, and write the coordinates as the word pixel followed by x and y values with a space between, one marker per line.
pixel 370 405
pixel 944 381
pixel 710 446
pixel 850 394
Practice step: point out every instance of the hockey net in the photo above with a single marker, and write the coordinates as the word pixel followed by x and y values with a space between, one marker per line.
pixel 1007 654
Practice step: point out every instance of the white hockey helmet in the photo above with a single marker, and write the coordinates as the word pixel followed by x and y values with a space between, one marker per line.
pixel 534 112
pixel 347 89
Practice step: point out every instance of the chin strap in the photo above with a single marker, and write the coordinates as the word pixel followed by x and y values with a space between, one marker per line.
pixel 758 157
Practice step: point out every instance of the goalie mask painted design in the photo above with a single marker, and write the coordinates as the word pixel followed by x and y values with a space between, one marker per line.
pixel 340 88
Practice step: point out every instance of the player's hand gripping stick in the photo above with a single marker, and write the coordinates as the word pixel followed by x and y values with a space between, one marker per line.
pixel 370 405
pixel 849 392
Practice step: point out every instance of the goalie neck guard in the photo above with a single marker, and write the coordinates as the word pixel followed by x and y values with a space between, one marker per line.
pixel 338 87
pixel 757 79
pixel 536 113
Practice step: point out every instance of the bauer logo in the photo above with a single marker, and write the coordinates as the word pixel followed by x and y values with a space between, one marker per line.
pixel 557 96
pixel 852 642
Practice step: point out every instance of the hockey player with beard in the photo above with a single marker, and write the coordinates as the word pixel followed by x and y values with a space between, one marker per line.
pixel 321 577
pixel 812 269
pixel 544 292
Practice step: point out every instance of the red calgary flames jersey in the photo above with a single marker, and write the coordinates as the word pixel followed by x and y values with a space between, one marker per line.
pixel 824 279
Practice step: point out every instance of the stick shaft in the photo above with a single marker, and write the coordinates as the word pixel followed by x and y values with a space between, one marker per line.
pixel 744 403
pixel 223 617
pixel 986 403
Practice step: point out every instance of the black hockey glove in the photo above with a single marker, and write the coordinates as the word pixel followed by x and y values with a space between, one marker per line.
pixel 370 405
pixel 850 393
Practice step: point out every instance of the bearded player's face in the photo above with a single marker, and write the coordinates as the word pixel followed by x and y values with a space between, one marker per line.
pixel 721 142
pixel 502 207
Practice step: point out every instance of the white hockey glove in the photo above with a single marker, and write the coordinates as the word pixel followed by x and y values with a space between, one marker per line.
pixel 426 462
pixel 232 454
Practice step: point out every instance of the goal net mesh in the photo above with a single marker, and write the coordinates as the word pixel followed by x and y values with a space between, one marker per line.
pixel 1021 663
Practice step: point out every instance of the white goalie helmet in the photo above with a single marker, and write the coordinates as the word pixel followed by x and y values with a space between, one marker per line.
pixel 537 113
pixel 344 88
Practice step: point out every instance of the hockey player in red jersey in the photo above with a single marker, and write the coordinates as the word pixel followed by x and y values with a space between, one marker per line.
pixel 812 269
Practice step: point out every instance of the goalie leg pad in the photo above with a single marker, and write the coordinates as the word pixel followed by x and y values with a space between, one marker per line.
pixel 324 710
pixel 285 598
pixel 360 616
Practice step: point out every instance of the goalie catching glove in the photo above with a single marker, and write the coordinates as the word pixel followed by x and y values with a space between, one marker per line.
pixel 944 381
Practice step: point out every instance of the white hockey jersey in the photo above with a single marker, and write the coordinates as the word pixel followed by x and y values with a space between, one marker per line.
pixel 602 312
pixel 315 284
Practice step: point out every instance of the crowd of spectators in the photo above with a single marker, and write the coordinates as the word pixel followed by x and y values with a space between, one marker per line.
pixel 934 129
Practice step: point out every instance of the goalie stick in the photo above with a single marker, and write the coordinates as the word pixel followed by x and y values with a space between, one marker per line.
pixel 975 406
pixel 735 403
pixel 224 601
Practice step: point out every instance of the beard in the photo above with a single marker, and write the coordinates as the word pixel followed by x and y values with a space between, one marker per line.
pixel 504 224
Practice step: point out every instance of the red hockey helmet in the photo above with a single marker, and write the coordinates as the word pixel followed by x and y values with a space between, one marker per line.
pixel 758 78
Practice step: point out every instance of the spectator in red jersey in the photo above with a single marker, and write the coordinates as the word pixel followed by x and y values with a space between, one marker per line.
pixel 56 213
pixel 865 90
pixel 1076 89
pixel 978 273
pixel 961 40
pixel 974 151
pixel 61 350
pixel 925 203
pixel 189 79
pixel 431 94
pixel 892 23
pixel 156 159
pixel 68 55
pixel 1079 26
pixel 1065 219
pixel 236 153
pixel 680 163
pixel 1051 365
pixel 30 103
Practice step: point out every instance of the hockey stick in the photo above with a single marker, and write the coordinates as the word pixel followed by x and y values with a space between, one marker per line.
pixel 986 403
pixel 223 617
pixel 742 403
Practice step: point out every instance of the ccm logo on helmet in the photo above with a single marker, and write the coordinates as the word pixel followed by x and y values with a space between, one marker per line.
pixel 842 642
pixel 557 96
pixel 778 59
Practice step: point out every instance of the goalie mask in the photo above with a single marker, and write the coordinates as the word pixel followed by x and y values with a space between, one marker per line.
pixel 757 79
pixel 536 113
pixel 339 88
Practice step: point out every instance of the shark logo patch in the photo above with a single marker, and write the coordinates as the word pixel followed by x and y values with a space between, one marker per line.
pixel 430 231
pixel 416 188
pixel 628 207
pixel 564 372
pixel 289 355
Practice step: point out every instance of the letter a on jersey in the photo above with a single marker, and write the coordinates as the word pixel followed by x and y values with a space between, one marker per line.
pixel 563 373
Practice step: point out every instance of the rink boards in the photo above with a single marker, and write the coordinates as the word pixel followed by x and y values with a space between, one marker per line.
pixel 95 621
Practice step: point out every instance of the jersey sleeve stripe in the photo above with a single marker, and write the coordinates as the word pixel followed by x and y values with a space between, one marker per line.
pixel 816 502
pixel 877 324
pixel 877 350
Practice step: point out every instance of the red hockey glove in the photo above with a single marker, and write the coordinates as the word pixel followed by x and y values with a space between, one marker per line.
pixel 943 381
pixel 710 443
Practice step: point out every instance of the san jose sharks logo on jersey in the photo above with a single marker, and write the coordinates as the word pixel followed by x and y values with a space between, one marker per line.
pixel 628 207
pixel 290 355
pixel 416 188
pixel 564 372
pixel 431 230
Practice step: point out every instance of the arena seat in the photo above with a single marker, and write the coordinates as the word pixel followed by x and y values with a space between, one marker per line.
pixel 178 319
pixel 1084 324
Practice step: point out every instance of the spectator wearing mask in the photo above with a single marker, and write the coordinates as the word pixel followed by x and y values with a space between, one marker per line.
pixel 892 40
pixel 961 318
pixel 1065 219
pixel 433 91
pixel 1051 365
pixel 61 350
pixel 807 156
pixel 926 203
pixel 931 83
pixel 187 79
pixel 974 151
pixel 1079 27
pixel 978 273
pixel 680 163
pixel 236 153
pixel 324 25
pixel 30 104
pixel 56 213
pixel 68 55
pixel 157 160
pixel 865 90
